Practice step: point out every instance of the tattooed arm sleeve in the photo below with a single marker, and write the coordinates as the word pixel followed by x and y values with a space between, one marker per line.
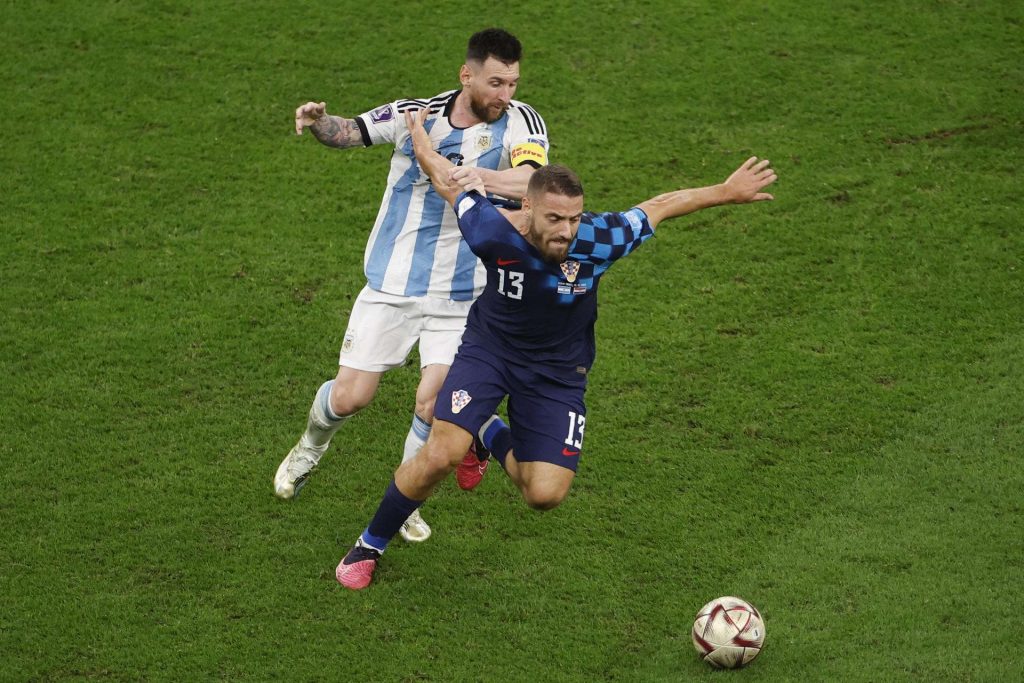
pixel 335 131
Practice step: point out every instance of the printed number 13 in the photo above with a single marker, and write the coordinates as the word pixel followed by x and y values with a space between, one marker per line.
pixel 515 284
pixel 576 424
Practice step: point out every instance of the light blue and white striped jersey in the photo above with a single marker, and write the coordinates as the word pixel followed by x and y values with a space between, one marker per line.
pixel 415 248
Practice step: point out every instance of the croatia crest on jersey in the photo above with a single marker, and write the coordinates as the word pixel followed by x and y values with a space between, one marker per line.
pixel 570 269
pixel 460 399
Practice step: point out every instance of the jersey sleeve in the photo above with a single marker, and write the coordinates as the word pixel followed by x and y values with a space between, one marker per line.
pixel 379 125
pixel 528 137
pixel 481 224
pixel 606 237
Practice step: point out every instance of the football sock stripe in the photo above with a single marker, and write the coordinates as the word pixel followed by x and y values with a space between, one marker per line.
pixel 489 430
pixel 417 436
pixel 323 395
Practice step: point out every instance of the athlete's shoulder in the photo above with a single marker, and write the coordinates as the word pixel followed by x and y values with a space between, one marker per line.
pixel 466 202
pixel 386 123
pixel 392 113
pixel 528 115
pixel 436 103
pixel 633 218
pixel 483 226
pixel 606 237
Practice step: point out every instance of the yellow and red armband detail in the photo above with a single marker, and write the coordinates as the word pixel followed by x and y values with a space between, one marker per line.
pixel 528 152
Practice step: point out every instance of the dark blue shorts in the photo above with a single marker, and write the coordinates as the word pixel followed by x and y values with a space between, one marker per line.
pixel 545 404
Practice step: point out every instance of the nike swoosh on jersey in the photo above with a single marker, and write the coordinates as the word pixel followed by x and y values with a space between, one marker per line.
pixel 569 454
pixel 507 262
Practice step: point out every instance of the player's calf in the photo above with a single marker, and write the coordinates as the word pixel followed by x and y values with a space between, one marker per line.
pixel 321 424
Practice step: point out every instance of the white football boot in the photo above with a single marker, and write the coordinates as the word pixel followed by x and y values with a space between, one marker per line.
pixel 294 470
pixel 414 529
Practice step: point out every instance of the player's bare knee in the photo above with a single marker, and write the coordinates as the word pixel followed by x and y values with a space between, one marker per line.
pixel 346 405
pixel 544 497
pixel 345 400
pixel 353 390
pixel 456 456
pixel 448 443
pixel 439 459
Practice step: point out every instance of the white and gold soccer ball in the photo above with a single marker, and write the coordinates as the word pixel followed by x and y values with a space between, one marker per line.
pixel 728 633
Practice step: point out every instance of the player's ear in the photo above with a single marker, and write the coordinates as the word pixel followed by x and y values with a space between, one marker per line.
pixel 523 226
pixel 465 74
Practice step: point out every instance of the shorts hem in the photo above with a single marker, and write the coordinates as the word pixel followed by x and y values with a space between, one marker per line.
pixel 368 367
pixel 566 463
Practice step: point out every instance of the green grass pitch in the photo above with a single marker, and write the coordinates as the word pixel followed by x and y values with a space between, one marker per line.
pixel 815 404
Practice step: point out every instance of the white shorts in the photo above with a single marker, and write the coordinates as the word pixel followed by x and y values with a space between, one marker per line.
pixel 383 328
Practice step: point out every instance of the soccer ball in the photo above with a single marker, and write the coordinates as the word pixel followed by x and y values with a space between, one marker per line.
pixel 728 633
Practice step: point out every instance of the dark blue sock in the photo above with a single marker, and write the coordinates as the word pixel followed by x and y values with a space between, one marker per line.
pixel 501 444
pixel 392 512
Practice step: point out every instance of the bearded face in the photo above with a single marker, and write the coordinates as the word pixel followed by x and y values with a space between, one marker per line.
pixel 491 86
pixel 552 222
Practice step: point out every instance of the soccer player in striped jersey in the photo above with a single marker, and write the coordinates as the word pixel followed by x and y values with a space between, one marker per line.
pixel 421 276
pixel 530 335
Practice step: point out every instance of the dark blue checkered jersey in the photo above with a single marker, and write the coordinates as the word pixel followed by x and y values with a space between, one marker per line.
pixel 534 311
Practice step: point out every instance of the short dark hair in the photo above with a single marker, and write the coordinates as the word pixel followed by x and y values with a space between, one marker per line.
pixel 557 179
pixel 494 42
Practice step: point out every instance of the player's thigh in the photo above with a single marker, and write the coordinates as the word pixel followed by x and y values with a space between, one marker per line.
pixel 548 422
pixel 382 329
pixel 443 323
pixel 472 390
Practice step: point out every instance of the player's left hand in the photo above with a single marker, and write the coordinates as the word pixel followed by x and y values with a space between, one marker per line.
pixel 468 178
pixel 747 181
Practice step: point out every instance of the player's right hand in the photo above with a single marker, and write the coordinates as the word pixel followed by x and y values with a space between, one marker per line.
pixel 747 181
pixel 308 114
pixel 468 178
pixel 414 121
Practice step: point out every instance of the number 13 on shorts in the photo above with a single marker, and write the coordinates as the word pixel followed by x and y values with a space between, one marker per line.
pixel 576 425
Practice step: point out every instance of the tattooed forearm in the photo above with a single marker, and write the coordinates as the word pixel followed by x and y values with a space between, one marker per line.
pixel 335 131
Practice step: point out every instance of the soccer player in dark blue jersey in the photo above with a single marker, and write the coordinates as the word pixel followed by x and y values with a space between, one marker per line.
pixel 529 336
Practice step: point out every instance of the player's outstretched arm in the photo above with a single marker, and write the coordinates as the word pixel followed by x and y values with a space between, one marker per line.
pixel 510 183
pixel 439 169
pixel 333 131
pixel 742 187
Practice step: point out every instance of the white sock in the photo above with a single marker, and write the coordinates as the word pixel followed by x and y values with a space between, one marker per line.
pixel 322 422
pixel 417 436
